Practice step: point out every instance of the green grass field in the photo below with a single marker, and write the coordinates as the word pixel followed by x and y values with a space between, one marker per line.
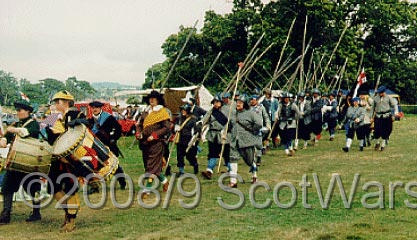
pixel 210 221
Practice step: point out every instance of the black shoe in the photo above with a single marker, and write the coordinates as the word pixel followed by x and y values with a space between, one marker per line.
pixel 4 217
pixel 345 149
pixel 361 149
pixel 122 183
pixel 180 174
pixel 196 169
pixel 382 149
pixel 34 216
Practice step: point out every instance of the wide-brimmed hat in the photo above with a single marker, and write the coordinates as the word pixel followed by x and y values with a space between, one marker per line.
pixel 157 95
pixel 22 104
pixel 63 95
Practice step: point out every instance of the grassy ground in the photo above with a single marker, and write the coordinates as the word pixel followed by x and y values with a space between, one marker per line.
pixel 210 221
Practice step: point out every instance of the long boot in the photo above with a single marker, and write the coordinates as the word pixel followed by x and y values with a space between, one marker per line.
pixel 5 217
pixel 7 208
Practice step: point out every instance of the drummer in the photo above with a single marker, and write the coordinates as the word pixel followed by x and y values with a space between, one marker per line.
pixel 108 130
pixel 64 104
pixel 26 127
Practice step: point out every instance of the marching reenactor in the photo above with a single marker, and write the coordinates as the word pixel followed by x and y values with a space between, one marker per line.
pixel 196 110
pixel 286 116
pixel 185 128
pixel 355 119
pixel 26 127
pixel 304 120
pixel 215 135
pixel 260 110
pixel 366 102
pixel 316 115
pixel 226 98
pixel 330 114
pixel 154 127
pixel 64 104
pixel 245 136
pixel 108 131
pixel 382 117
pixel 271 105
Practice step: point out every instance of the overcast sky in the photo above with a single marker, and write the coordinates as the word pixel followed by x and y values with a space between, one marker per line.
pixel 94 40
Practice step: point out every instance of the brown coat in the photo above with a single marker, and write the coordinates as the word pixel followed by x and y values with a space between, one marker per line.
pixel 153 151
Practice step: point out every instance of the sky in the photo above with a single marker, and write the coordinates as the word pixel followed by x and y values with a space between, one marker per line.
pixel 94 40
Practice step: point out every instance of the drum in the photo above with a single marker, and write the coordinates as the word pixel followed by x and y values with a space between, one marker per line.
pixel 29 155
pixel 80 143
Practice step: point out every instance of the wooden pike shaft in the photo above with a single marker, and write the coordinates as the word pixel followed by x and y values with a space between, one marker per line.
pixel 285 45
pixel 300 84
pixel 211 68
pixel 226 129
pixel 178 56
pixel 333 52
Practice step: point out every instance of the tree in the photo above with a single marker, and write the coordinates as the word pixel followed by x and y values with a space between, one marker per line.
pixel 9 89
pixel 385 31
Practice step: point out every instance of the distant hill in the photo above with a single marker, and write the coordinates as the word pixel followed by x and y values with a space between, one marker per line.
pixel 112 85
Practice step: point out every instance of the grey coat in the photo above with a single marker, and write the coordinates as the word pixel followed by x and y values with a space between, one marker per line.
pixel 316 107
pixel 305 112
pixel 283 124
pixel 214 133
pixel 247 126
pixel 354 113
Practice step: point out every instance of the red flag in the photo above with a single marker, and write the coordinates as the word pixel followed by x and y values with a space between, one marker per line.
pixel 361 80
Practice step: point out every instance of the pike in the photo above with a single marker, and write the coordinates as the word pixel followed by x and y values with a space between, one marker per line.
pixel 333 52
pixel 238 77
pixel 206 118
pixel 178 56
pixel 283 47
pixel 300 84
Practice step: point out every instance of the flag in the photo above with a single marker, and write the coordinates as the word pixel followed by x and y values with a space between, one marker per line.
pixel 24 97
pixel 361 80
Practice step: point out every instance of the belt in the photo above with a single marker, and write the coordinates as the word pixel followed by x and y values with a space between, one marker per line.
pixel 383 112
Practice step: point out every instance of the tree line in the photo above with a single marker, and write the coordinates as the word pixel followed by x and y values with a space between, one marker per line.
pixel 381 37
pixel 41 92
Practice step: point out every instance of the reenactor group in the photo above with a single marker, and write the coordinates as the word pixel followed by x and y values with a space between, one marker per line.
pixel 244 127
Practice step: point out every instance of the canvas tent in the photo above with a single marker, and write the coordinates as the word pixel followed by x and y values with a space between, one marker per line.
pixel 173 96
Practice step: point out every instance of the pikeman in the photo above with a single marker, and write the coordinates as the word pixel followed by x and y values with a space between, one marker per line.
pixel 355 119
pixel 382 117
pixel 64 104
pixel 271 105
pixel 330 114
pixel 226 98
pixel 366 102
pixel 286 116
pixel 185 128
pixel 316 115
pixel 304 120
pixel 26 127
pixel 244 138
pixel 216 124
pixel 154 127
pixel 108 131
pixel 260 110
